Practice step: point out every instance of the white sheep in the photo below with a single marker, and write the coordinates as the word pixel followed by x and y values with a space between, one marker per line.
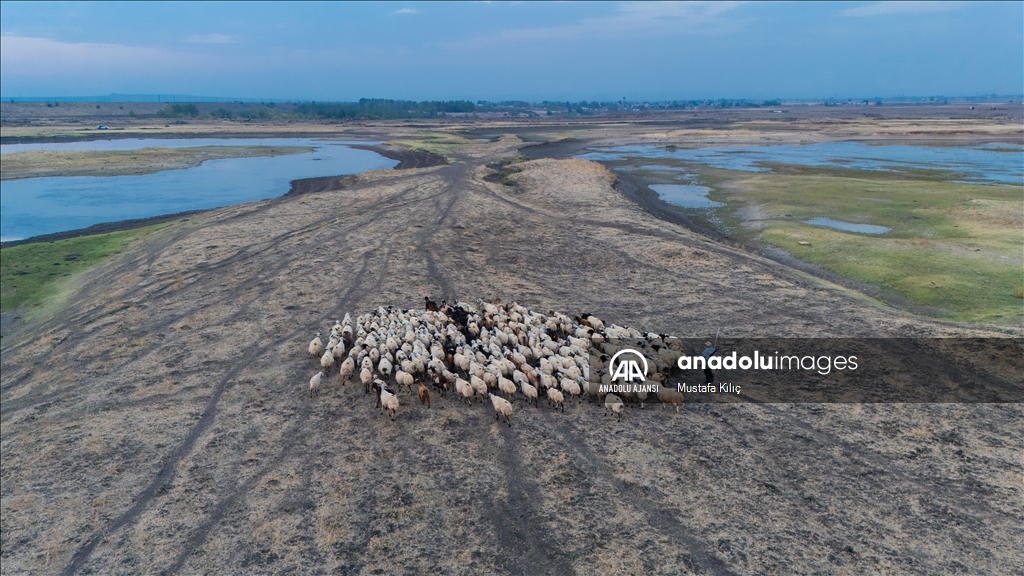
pixel 366 377
pixel 348 367
pixel 571 387
pixel 555 397
pixel 502 407
pixel 670 396
pixel 326 361
pixel 314 384
pixel 529 391
pixel 404 379
pixel 316 346
pixel 507 387
pixel 479 386
pixel 388 401
pixel 464 389
pixel 613 403
pixel 384 367
pixel 461 362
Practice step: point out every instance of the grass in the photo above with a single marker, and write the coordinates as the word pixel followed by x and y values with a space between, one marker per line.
pixel 41 163
pixel 442 144
pixel 955 247
pixel 509 168
pixel 31 274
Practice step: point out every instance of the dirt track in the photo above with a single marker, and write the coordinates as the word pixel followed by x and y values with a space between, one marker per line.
pixel 160 422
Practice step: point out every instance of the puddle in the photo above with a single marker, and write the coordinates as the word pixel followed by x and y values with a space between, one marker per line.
pixel 847 226
pixel 685 195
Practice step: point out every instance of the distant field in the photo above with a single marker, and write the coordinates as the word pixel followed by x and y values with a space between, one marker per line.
pixel 40 163
pixel 958 248
pixel 31 274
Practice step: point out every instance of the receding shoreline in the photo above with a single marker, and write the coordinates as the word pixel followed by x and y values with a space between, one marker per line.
pixel 55 163
pixel 407 159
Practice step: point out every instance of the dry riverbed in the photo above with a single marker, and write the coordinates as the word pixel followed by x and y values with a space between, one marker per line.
pixel 159 420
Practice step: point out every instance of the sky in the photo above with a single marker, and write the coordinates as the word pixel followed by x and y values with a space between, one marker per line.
pixel 513 51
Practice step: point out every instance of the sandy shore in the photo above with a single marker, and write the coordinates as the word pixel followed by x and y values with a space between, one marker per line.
pixel 160 422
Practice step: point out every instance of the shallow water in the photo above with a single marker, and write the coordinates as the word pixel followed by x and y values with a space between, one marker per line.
pixel 35 206
pixel 987 164
pixel 847 226
pixel 685 195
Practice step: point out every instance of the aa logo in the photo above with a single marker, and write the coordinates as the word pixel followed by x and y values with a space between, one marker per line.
pixel 628 369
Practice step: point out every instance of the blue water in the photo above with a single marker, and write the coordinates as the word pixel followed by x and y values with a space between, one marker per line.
pixel 847 226
pixel 37 206
pixel 988 164
pixel 685 195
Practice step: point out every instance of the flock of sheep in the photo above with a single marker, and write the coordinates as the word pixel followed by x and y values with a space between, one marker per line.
pixel 494 351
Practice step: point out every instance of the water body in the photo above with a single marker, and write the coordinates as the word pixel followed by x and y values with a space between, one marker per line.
pixel 685 195
pixel 847 226
pixel 36 206
pixel 987 164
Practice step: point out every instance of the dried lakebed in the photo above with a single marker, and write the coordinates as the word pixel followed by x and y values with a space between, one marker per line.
pixel 161 420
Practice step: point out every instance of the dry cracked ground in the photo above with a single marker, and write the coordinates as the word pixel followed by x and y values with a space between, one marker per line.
pixel 160 423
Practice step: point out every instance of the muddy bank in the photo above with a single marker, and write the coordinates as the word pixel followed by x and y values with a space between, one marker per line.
pixel 407 159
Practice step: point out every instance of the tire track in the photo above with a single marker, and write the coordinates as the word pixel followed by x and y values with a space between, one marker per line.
pixel 169 470
pixel 347 302
pixel 702 559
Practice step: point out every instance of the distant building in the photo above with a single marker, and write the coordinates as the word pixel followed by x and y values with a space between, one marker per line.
pixel 102 127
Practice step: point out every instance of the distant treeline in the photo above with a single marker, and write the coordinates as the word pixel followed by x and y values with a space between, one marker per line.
pixel 385 109
pixel 381 109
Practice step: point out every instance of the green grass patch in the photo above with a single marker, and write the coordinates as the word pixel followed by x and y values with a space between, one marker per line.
pixel 442 144
pixel 30 274
pixel 955 247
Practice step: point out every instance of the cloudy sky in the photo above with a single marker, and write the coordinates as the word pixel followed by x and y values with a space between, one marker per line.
pixel 499 51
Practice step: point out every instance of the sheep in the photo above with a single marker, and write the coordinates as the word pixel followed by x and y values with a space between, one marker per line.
pixel 316 346
pixel 347 368
pixel 502 407
pixel 613 403
pixel 462 362
pixel 404 379
pixel 463 388
pixel 366 377
pixel 641 394
pixel 478 385
pixel 570 386
pixel 556 398
pixel 326 361
pixel 384 367
pixel 529 391
pixel 424 394
pixel 388 402
pixel 314 384
pixel 670 396
pixel 507 387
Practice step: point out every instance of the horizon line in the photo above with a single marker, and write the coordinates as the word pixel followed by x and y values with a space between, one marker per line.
pixel 186 98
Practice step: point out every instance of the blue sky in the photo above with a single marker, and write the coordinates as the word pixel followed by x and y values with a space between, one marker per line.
pixel 517 50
